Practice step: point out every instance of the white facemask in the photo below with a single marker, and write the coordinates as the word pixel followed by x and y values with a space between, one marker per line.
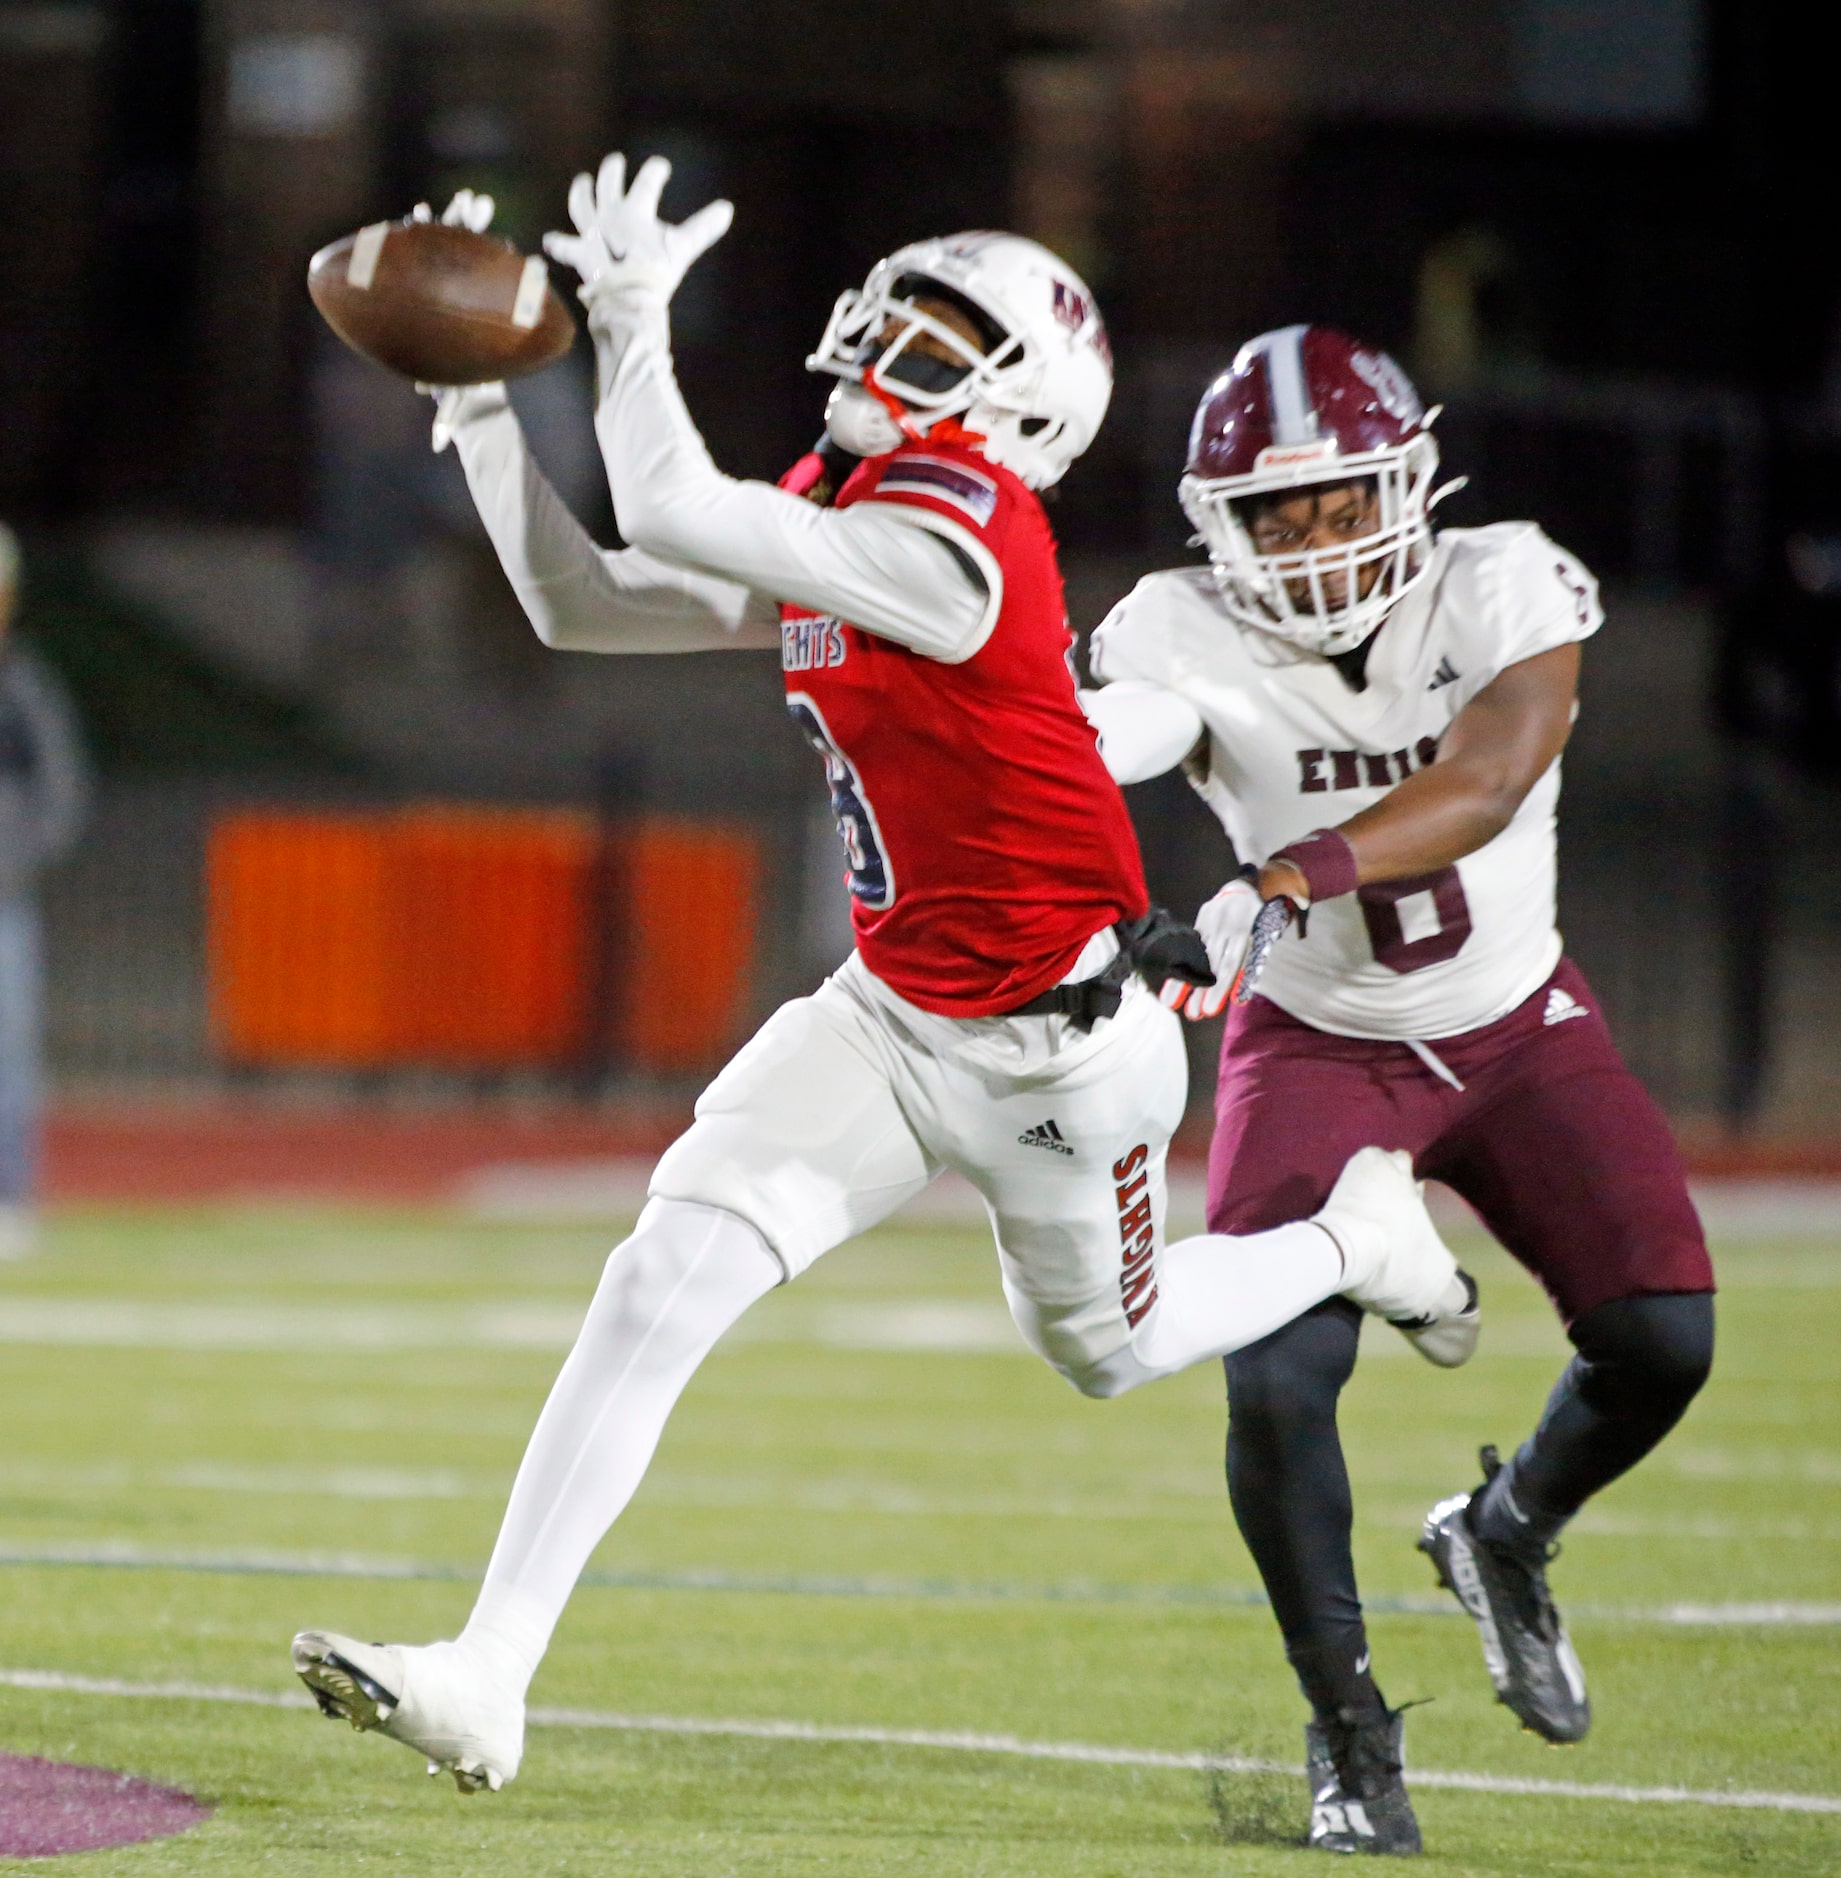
pixel 859 423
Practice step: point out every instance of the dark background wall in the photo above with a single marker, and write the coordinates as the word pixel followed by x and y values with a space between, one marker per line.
pixel 1600 231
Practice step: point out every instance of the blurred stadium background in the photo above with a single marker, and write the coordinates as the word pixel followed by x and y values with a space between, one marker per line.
pixel 363 850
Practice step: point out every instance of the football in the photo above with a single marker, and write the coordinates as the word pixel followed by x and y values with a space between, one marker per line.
pixel 440 305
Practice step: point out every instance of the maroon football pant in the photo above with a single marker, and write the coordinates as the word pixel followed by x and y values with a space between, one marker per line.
pixel 1559 1148
pixel 1552 1140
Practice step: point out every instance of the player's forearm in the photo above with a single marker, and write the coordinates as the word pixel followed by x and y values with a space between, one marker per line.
pixel 1143 729
pixel 886 576
pixel 1434 818
pixel 576 597
pixel 1430 821
pixel 1497 748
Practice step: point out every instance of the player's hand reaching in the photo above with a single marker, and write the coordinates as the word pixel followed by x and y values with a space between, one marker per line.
pixel 1225 924
pixel 472 209
pixel 467 208
pixel 627 255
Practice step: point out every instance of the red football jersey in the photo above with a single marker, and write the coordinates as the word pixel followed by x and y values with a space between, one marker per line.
pixel 987 842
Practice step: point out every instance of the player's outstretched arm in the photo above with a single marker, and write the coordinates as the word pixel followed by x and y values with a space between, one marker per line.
pixel 1498 747
pixel 577 596
pixel 870 564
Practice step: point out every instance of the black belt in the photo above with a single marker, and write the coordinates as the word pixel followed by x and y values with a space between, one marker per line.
pixel 1156 947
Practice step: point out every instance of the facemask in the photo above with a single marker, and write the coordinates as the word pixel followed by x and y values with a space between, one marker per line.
pixel 859 424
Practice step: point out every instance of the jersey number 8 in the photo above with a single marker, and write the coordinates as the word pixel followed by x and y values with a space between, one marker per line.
pixel 872 880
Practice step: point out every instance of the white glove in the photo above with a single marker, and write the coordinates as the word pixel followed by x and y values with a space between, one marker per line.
pixel 1224 924
pixel 627 257
pixel 468 208
pixel 462 404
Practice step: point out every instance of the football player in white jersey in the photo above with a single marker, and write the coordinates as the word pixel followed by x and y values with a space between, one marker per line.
pixel 994 1018
pixel 1376 712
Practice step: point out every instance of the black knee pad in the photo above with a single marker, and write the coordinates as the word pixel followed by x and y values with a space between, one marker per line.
pixel 1297 1372
pixel 1646 1353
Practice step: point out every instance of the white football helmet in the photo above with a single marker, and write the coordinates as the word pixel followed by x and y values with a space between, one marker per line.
pixel 1035 397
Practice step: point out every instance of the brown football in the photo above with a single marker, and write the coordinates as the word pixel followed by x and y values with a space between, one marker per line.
pixel 440 305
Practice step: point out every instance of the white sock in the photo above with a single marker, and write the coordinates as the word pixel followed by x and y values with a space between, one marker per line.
pixel 687 1273
pixel 1218 1292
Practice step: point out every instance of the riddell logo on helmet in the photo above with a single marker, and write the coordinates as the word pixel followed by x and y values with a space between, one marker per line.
pixel 1285 455
pixel 1137 1235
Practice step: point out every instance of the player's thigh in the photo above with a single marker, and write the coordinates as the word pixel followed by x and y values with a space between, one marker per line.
pixel 1293 1104
pixel 801 1135
pixel 1077 1208
pixel 1574 1169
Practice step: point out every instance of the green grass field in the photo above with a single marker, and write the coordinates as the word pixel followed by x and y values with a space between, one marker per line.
pixel 872 1510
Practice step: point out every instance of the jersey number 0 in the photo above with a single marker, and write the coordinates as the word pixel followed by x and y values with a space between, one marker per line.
pixel 1380 905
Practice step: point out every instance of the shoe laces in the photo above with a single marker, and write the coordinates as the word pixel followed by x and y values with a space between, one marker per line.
pixel 1525 1564
pixel 1526 1570
pixel 1363 1751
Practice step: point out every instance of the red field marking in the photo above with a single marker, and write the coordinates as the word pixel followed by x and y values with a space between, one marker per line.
pixel 48 1807
pixel 213 1152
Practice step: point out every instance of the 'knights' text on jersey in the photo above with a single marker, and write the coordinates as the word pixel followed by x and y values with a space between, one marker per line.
pixel 1292 746
pixel 986 841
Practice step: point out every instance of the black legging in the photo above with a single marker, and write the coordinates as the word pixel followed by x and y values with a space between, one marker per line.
pixel 1640 1362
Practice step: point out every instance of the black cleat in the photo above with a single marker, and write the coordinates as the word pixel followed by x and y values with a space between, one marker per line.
pixel 1358 1797
pixel 1530 1658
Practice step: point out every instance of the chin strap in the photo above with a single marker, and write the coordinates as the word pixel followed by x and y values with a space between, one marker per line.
pixel 950 430
pixel 943 430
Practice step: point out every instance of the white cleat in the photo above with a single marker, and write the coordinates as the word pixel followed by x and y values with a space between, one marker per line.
pixel 1396 1264
pixel 435 1700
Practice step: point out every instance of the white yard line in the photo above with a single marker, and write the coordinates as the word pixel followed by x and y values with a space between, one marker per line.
pixel 952 1741
pixel 616 1189
pixel 125 1555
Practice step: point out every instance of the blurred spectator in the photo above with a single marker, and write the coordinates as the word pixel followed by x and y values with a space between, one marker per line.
pixel 44 790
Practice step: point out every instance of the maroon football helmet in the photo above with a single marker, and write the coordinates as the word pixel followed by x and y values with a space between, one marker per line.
pixel 1303 405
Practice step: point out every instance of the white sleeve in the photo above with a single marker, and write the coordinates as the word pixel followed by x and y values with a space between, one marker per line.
pixel 1143 729
pixel 578 597
pixel 1128 642
pixel 884 568
pixel 1543 598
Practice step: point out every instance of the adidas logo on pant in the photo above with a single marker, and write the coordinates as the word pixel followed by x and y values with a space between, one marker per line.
pixel 1044 1135
pixel 1561 1005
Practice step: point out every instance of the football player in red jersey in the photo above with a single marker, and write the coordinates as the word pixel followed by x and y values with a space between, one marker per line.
pixel 993 1018
pixel 1376 714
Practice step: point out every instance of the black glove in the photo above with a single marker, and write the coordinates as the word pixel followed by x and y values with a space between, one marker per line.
pixel 1160 946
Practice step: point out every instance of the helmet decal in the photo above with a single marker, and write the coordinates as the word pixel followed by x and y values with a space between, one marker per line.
pixel 1294 421
pixel 1391 385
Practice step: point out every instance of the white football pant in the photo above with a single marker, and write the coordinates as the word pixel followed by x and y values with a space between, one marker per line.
pixel 842 1107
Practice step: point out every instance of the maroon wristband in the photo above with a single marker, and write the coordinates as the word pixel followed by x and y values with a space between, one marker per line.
pixel 1326 861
